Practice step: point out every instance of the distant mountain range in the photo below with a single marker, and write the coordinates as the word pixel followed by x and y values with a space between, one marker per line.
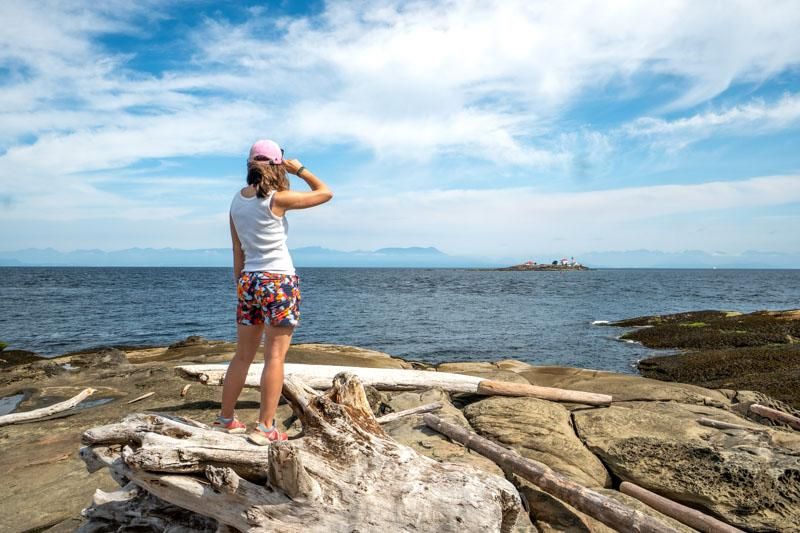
pixel 415 256
pixel 311 256
pixel 690 259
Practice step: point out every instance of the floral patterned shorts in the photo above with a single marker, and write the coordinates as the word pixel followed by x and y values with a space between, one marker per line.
pixel 263 295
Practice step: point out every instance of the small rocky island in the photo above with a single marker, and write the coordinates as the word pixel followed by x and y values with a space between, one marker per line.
pixel 563 264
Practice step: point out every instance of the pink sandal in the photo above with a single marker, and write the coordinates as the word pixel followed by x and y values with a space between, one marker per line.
pixel 263 435
pixel 228 425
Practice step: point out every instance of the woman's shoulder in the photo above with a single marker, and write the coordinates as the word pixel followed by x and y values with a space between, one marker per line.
pixel 246 192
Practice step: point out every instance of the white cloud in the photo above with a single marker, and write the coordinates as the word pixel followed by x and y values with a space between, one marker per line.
pixel 753 118
pixel 413 80
pixel 505 221
pixel 399 68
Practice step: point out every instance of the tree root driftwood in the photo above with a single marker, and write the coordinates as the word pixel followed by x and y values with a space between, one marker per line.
pixel 343 473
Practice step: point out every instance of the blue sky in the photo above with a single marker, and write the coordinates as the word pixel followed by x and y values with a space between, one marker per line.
pixel 514 129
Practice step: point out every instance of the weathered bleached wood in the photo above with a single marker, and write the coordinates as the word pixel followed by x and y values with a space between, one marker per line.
pixel 601 507
pixel 426 408
pixel 97 457
pixel 503 388
pixel 142 397
pixel 681 513
pixel 123 494
pixel 192 454
pixel 774 414
pixel 141 511
pixel 15 418
pixel 320 377
pixel 344 473
pixel 134 426
pixel 185 389
pixel 718 424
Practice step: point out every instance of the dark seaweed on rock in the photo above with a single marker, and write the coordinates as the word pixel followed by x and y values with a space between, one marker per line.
pixel 688 317
pixel 18 357
pixel 757 351
pixel 716 329
pixel 774 370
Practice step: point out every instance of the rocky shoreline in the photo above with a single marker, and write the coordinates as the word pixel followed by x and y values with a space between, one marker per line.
pixel 650 434
pixel 724 350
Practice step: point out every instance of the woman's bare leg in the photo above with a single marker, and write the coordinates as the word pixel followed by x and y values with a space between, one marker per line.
pixel 275 348
pixel 248 339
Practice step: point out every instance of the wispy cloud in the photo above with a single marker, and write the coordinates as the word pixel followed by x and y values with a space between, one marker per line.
pixel 498 73
pixel 504 220
pixel 404 80
pixel 749 119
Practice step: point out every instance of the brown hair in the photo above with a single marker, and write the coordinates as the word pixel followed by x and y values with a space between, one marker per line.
pixel 266 177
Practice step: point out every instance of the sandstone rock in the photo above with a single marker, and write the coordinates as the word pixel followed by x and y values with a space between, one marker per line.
pixel 482 370
pixel 745 477
pixel 623 387
pixel 104 358
pixel 198 349
pixel 539 430
pixel 191 340
pixel 193 348
pixel 413 432
pixel 745 398
pixel 332 354
pixel 513 365
pixel 551 515
pixel 632 502
pixel 466 366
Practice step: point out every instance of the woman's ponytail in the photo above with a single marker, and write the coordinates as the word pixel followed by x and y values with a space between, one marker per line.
pixel 266 177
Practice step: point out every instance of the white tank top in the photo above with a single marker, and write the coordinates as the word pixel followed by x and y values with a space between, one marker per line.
pixel 263 235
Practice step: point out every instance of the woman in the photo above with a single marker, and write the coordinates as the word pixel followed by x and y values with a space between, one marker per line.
pixel 268 289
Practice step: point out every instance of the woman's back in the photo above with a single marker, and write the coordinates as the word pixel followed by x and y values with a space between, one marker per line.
pixel 262 234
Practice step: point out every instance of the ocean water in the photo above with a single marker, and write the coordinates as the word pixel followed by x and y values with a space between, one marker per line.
pixel 421 314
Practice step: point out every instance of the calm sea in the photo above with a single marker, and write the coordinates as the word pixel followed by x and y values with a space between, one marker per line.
pixel 421 314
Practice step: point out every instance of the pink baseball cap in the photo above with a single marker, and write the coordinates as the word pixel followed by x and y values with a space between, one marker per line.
pixel 266 150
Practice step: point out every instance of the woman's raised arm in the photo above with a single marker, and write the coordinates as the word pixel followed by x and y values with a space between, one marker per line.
pixel 319 193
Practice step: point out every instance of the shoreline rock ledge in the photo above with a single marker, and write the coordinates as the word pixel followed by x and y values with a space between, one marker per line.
pixel 748 477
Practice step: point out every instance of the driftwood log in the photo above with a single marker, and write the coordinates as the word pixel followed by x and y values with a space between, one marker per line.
pixel 778 416
pixel 604 508
pixel 343 473
pixel 36 414
pixel 718 424
pixel 681 513
pixel 142 397
pixel 321 376
pixel 426 408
